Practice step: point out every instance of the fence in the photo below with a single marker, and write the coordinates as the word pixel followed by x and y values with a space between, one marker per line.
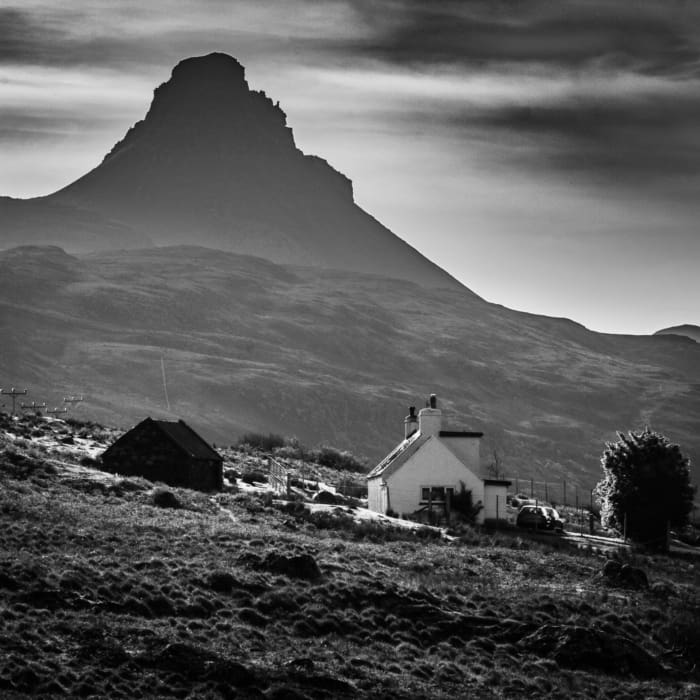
pixel 279 478
pixel 555 492
pixel 350 487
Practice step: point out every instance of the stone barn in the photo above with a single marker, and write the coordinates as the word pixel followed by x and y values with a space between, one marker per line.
pixel 167 451
pixel 429 466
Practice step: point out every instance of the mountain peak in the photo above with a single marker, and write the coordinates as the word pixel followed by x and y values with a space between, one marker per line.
pixel 213 66
pixel 207 105
pixel 214 163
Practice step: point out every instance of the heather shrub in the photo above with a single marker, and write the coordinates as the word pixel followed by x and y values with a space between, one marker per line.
pixel 260 441
pixel 340 460
pixel 164 498
pixel 254 477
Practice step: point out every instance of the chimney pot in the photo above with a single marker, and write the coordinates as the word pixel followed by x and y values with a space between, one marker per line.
pixel 410 423
pixel 433 401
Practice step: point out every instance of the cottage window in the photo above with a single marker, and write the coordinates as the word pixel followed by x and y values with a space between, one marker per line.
pixel 436 494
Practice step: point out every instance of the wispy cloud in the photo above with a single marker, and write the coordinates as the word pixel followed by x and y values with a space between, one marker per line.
pixel 650 35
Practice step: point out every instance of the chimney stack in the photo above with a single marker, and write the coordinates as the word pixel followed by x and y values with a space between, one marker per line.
pixel 410 422
pixel 430 418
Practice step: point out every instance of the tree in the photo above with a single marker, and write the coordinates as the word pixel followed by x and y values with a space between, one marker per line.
pixel 646 481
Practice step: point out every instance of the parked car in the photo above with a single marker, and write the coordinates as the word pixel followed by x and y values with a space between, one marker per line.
pixel 520 500
pixel 538 517
pixel 557 523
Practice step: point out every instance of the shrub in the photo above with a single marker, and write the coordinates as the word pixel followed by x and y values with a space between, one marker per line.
pixel 288 452
pixel 340 460
pixel 252 477
pixel 260 441
pixel 163 498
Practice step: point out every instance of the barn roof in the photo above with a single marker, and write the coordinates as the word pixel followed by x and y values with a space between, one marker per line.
pixel 186 439
pixel 399 455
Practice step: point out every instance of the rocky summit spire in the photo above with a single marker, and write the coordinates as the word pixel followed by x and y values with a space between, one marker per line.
pixel 214 163
pixel 207 105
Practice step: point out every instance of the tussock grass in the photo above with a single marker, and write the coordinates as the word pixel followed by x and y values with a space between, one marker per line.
pixel 103 593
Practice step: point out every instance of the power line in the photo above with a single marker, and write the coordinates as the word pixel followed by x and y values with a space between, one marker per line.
pixel 14 393
pixel 33 405
pixel 57 411
pixel 73 399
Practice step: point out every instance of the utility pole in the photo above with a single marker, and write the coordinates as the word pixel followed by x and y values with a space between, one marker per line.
pixel 57 411
pixel 72 399
pixel 36 407
pixel 14 393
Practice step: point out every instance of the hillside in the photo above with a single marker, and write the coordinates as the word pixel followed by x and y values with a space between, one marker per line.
pixel 41 221
pixel 105 594
pixel 687 330
pixel 330 355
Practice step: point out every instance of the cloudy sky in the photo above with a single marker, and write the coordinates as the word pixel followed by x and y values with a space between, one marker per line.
pixel 547 154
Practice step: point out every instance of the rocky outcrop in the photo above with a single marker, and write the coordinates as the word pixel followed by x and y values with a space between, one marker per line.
pixel 591 649
pixel 624 575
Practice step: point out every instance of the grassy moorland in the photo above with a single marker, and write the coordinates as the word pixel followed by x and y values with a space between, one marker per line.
pixel 103 593
pixel 332 355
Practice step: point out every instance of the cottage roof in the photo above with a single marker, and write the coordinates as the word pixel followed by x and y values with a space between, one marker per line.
pixel 186 439
pixel 399 455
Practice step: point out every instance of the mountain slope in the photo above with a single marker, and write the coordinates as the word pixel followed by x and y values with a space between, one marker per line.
pixel 214 162
pixel 686 330
pixel 43 221
pixel 331 355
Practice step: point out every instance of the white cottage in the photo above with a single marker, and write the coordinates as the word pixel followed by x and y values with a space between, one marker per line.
pixel 428 465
